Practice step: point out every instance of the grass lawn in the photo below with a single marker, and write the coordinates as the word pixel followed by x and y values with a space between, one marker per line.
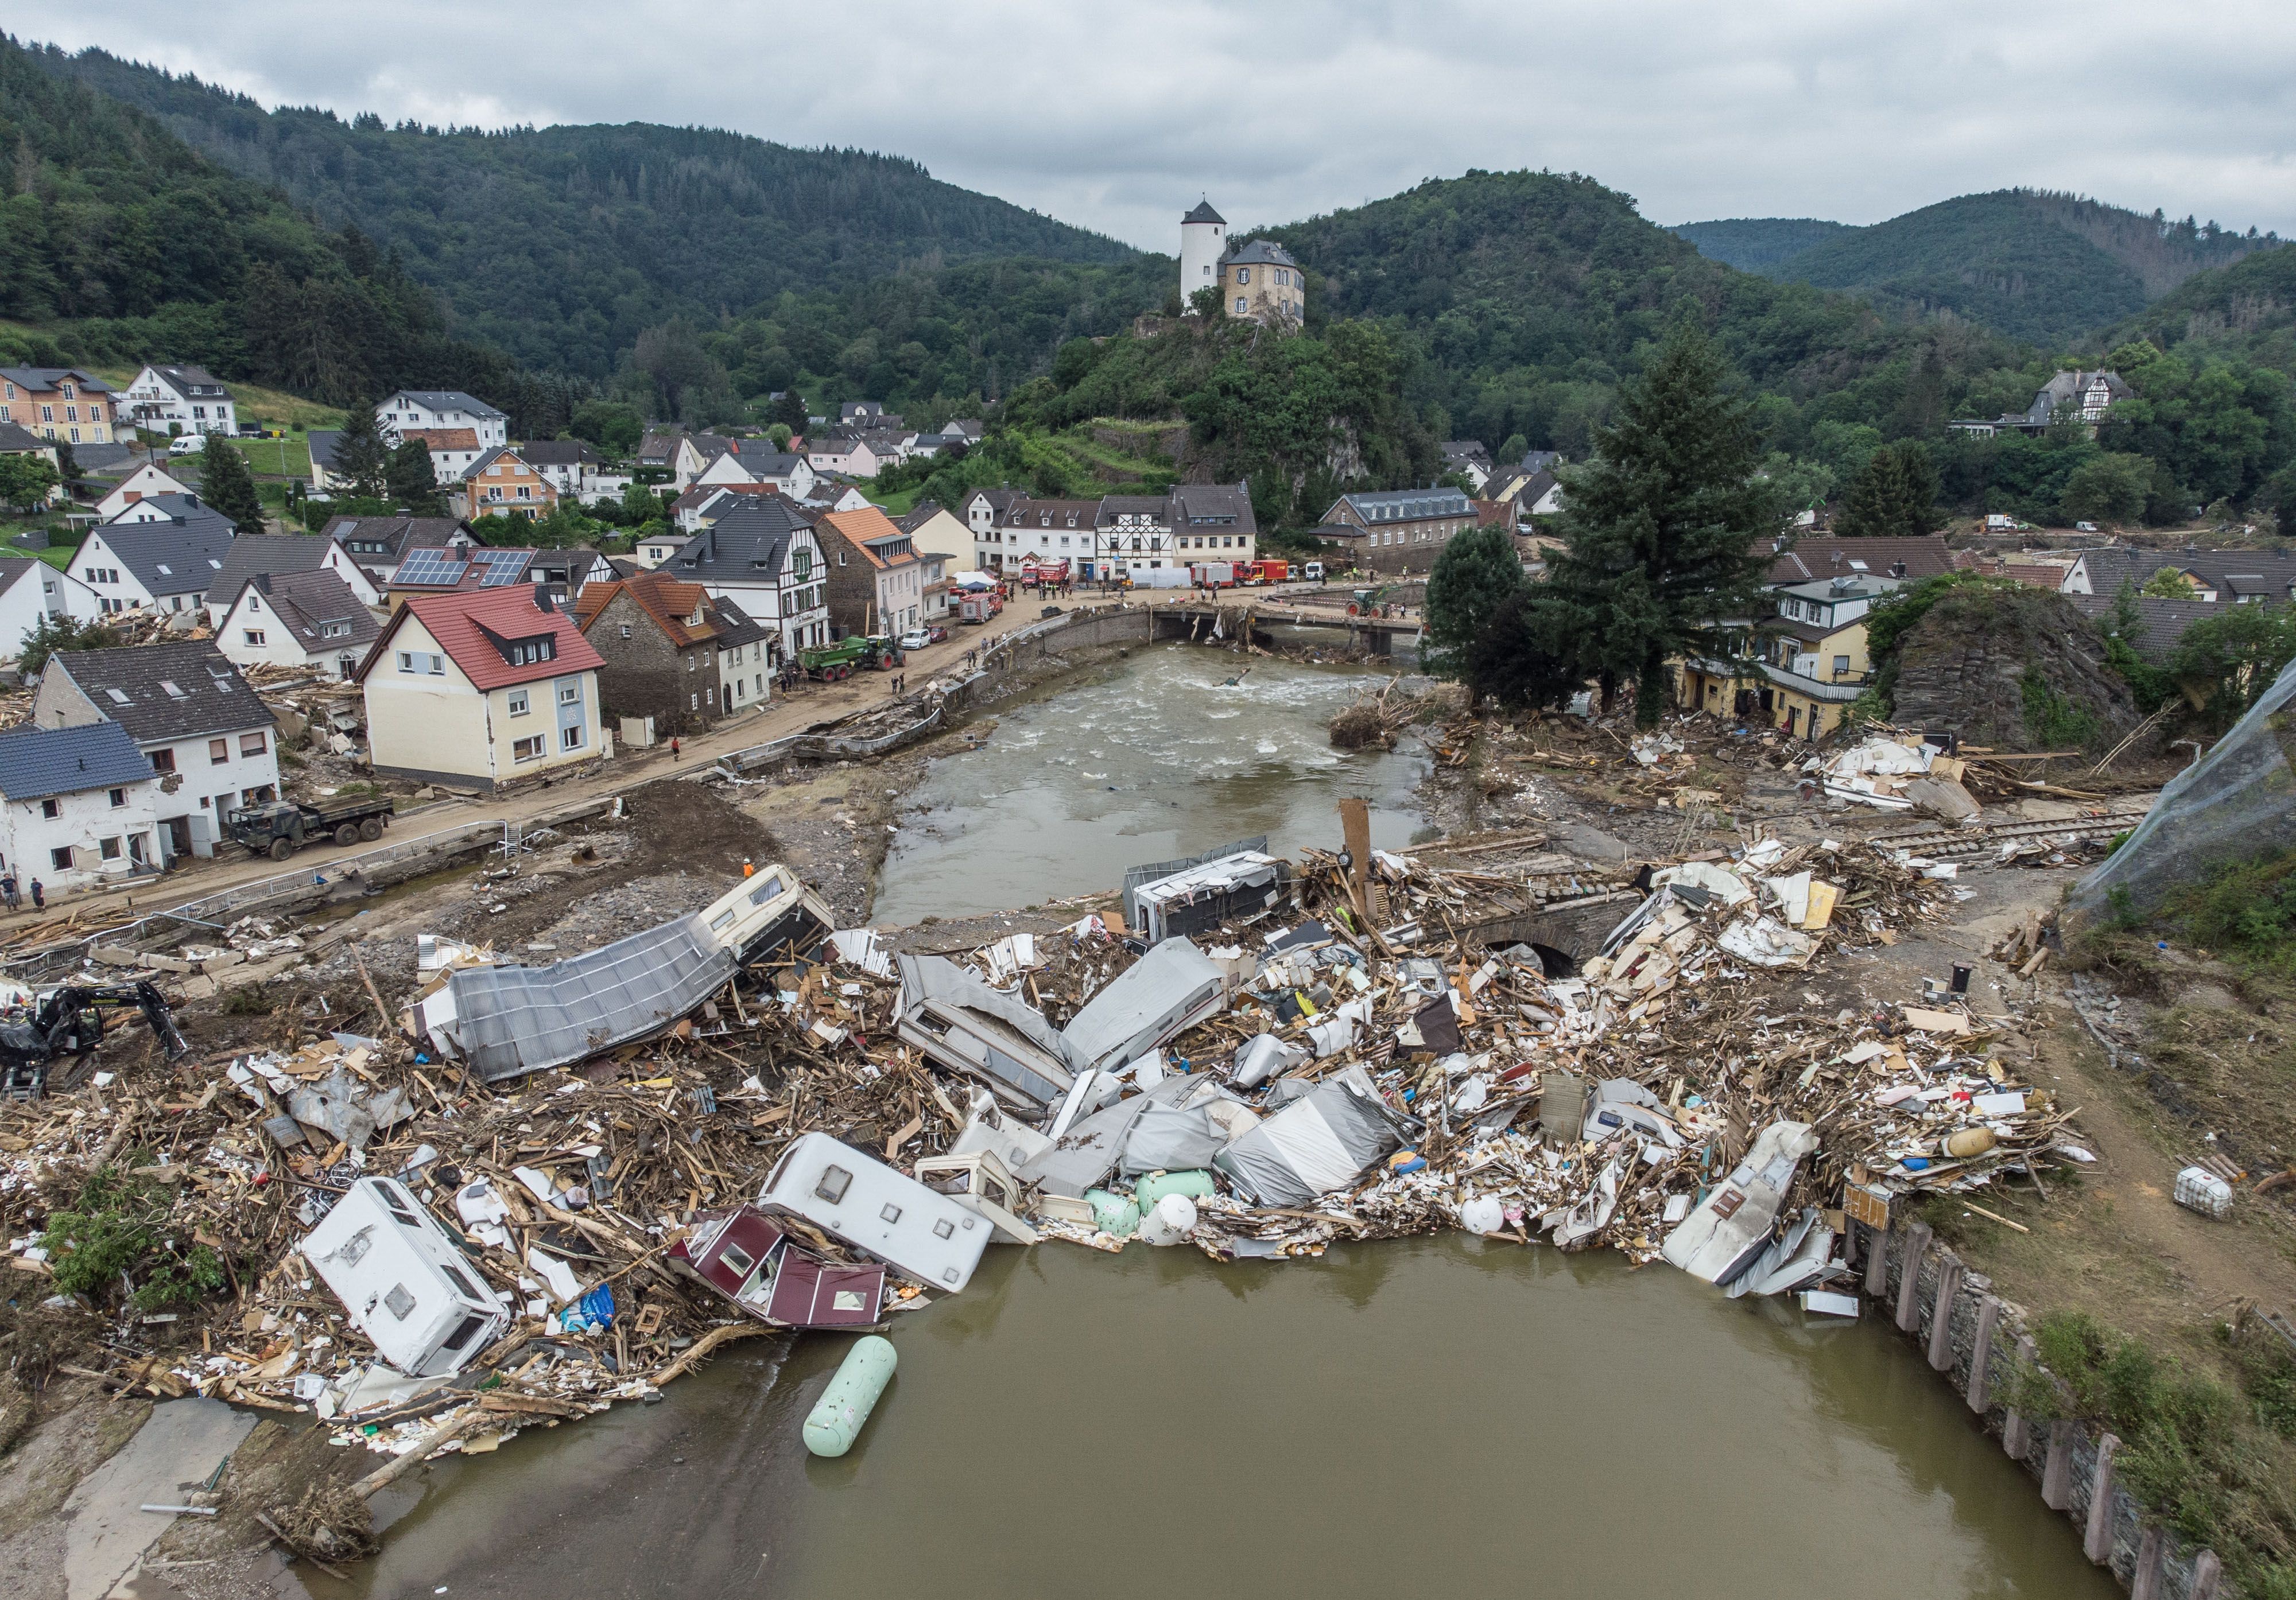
pixel 289 458
pixel 895 505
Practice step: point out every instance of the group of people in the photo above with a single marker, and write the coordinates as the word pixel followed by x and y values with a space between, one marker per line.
pixel 9 892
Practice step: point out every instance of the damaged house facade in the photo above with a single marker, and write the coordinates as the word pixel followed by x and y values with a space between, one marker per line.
pixel 77 805
pixel 766 557
pixel 661 642
pixel 481 688
pixel 210 739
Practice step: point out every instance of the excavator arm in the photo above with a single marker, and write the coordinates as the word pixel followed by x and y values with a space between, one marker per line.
pixel 70 1021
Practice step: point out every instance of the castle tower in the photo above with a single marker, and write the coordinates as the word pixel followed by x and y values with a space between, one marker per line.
pixel 1204 240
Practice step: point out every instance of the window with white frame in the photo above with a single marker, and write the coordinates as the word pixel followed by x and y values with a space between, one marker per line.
pixel 519 703
pixel 571 738
pixel 531 749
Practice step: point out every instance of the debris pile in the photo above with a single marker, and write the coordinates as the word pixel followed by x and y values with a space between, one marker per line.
pixel 433 1240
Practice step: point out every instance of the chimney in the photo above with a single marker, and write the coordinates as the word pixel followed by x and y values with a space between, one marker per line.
pixel 542 598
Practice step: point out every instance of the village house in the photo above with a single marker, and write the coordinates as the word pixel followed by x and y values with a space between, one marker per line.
pixel 571 466
pixel 63 404
pixel 161 552
pixel 482 688
pixel 31 590
pixel 1260 281
pixel 377 545
pixel 2078 397
pixel 76 807
pixel 983 511
pixel 657 548
pixel 831 494
pixel 567 571
pixel 1803 667
pixel 1468 459
pixel 278 555
pixel 746 657
pixel 2234 577
pixel 426 410
pixel 767 558
pixel 848 455
pixel 502 482
pixel 148 480
pixel 673 454
pixel 1036 532
pixel 876 583
pixel 321 444
pixel 308 621
pixel 946 546
pixel 659 640
pixel 1403 530
pixel 208 737
pixel 866 413
pixel 453 451
pixel 1213 521
pixel 179 400
pixel 1132 533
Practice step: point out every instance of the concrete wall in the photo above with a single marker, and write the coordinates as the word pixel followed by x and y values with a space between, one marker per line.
pixel 2070 1461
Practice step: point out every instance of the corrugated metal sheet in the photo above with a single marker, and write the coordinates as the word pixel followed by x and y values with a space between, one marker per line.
pixel 509 1021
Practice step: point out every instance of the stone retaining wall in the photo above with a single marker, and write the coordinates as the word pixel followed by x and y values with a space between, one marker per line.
pixel 2072 1462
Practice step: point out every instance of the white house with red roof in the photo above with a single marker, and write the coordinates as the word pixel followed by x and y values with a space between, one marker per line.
pixel 481 688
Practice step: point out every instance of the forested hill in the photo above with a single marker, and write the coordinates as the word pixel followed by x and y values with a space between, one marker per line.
pixel 562 244
pixel 1531 293
pixel 145 247
pixel 1750 244
pixel 2246 310
pixel 2036 265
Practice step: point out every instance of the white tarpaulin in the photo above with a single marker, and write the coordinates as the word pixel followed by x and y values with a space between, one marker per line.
pixel 1726 1232
pixel 1321 1142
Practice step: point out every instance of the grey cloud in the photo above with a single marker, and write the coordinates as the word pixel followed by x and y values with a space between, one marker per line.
pixel 1116 118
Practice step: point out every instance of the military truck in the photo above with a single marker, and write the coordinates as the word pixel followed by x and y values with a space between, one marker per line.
pixel 283 826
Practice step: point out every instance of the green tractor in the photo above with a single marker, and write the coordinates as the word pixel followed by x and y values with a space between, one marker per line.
pixel 828 663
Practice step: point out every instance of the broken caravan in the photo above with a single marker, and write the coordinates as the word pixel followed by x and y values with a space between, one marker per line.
pixel 748 1259
pixel 1237 884
pixel 964 1026
pixel 504 1022
pixel 883 1213
pixel 379 1250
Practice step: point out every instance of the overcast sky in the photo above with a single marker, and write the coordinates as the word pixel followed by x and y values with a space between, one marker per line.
pixel 1116 117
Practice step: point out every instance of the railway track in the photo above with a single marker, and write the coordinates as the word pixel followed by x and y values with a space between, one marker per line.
pixel 1963 843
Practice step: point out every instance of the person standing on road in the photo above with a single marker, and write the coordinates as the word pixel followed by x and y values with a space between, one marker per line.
pixel 675 750
pixel 39 897
pixel 8 890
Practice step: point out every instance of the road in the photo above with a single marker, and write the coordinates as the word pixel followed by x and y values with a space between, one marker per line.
pixel 785 715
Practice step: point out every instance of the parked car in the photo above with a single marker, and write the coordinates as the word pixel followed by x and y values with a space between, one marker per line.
pixel 2084 528
pixel 938 632
pixel 188 444
pixel 916 638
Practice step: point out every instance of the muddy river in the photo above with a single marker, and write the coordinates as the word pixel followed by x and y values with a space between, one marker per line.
pixel 1145 759
pixel 1419 1417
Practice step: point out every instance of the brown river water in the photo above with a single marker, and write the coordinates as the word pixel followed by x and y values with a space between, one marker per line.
pixel 1437 1415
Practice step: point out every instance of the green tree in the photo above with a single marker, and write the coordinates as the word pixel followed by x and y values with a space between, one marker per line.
pixel 781 433
pixel 361 460
pixel 409 480
pixel 1515 448
pixel 1207 303
pixel 226 485
pixel 611 426
pixel 2167 582
pixel 1477 573
pixel 56 632
pixel 1893 495
pixel 791 412
pixel 1800 484
pixel 1530 652
pixel 1667 530
pixel 2107 488
pixel 27 480
pixel 2232 656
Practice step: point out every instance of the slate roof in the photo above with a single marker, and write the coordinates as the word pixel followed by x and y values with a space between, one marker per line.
pixel 322 442
pixel 14 440
pixel 37 762
pixel 191 382
pixel 2162 623
pixel 478 468
pixel 449 399
pixel 2233 573
pixel 1259 253
pixel 302 600
pixel 747 544
pixel 1465 449
pixel 179 553
pixel 399 534
pixel 1204 213
pixel 45 378
pixel 736 628
pixel 103 458
pixel 476 626
pixel 669 601
pixel 268 553
pixel 1112 506
pixel 1403 504
pixel 1213 505
pixel 1821 556
pixel 1063 515
pixel 558 453
pixel 208 695
pixel 656 449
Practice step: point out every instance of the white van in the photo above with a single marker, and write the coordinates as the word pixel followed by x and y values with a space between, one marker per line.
pixel 415 1296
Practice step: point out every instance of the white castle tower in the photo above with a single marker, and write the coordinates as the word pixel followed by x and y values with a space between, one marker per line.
pixel 1204 240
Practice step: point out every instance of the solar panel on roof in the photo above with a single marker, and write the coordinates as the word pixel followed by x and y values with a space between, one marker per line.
pixel 504 567
pixel 430 567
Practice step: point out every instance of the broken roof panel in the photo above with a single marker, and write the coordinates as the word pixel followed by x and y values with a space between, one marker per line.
pixel 968 1027
pixel 1172 987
